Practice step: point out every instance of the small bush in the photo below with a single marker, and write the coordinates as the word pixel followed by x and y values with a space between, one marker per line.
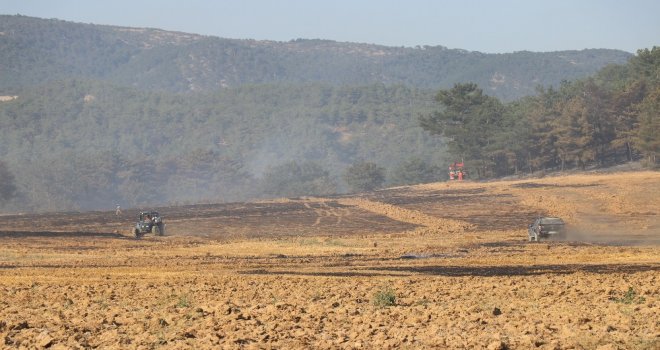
pixel 384 298
pixel 183 301
pixel 630 297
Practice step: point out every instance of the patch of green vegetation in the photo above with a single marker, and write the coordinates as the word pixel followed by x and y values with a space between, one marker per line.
pixel 646 344
pixel 630 297
pixel 336 243
pixel 103 304
pixel 384 298
pixel 321 242
pixel 184 301
pixel 308 241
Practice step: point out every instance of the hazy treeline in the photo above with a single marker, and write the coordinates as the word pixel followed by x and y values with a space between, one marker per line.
pixel 84 145
pixel 606 119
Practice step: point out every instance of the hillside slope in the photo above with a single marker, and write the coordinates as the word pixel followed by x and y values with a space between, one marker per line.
pixel 33 50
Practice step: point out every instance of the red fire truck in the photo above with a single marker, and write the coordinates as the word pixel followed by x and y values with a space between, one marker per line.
pixel 456 171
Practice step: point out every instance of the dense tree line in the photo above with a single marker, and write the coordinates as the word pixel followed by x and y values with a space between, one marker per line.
pixel 606 119
pixel 35 50
pixel 78 144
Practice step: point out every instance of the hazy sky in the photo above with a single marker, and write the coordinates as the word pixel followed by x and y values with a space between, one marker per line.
pixel 479 25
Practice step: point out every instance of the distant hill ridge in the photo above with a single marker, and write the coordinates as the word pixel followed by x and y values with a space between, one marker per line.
pixel 34 51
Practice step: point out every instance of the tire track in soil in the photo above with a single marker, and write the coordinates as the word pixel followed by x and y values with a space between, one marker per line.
pixel 429 224
pixel 326 211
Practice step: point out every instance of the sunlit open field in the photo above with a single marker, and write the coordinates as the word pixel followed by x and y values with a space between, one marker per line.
pixel 444 265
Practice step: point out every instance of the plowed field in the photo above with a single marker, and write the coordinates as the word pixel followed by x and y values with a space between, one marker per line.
pixel 444 265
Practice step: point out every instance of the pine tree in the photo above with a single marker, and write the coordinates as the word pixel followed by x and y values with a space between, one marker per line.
pixel 648 133
pixel 469 120
pixel 545 110
pixel 573 134
pixel 625 118
pixel 600 121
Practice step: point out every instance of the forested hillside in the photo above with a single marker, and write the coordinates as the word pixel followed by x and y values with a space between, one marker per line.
pixel 94 116
pixel 610 118
pixel 33 51
pixel 80 144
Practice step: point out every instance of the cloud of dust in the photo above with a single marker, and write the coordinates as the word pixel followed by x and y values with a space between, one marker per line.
pixel 617 230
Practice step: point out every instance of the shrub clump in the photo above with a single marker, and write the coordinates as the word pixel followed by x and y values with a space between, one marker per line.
pixel 384 298
pixel 630 297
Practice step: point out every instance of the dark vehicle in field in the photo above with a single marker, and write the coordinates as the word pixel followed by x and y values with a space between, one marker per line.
pixel 546 228
pixel 149 222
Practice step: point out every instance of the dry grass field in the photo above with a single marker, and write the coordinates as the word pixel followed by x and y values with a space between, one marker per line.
pixel 442 266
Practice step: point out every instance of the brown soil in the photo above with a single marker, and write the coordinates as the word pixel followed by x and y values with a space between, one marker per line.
pixel 443 265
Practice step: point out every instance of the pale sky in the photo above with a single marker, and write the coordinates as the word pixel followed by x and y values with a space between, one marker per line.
pixel 492 26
